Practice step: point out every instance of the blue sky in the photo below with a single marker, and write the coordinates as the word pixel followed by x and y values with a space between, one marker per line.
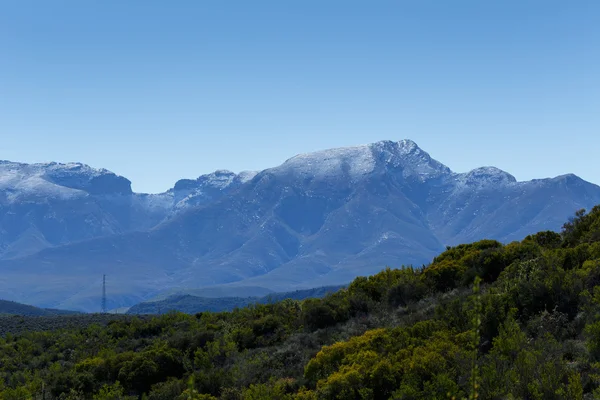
pixel 158 91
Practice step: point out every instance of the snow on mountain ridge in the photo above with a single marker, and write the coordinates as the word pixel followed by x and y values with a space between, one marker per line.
pixel 219 179
pixel 483 177
pixel 53 167
pixel 489 176
pixel 190 192
pixel 413 161
pixel 59 180
pixel 359 161
pixel 53 180
pixel 402 157
pixel 246 176
pixel 356 161
pixel 18 179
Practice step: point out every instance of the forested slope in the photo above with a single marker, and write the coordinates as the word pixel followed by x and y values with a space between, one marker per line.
pixel 193 304
pixel 13 308
pixel 484 320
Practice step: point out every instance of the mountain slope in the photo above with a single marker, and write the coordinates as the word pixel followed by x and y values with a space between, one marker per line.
pixel 193 304
pixel 318 219
pixel 13 308
pixel 46 205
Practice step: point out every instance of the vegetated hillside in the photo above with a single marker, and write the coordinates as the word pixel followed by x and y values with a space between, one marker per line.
pixel 13 308
pixel 484 320
pixel 194 304
pixel 213 292
pixel 24 324
pixel 318 219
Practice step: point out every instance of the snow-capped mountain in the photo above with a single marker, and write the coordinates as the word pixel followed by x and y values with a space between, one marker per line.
pixel 23 182
pixel 358 163
pixel 44 205
pixel 206 188
pixel 317 219
pixel 50 204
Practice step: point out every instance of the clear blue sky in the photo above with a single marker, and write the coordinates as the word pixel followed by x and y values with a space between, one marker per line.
pixel 158 90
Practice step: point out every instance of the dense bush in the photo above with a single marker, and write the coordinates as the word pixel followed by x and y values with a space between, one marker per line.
pixel 529 330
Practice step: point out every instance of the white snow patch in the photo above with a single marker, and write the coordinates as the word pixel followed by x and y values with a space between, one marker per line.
pixel 155 201
pixel 411 158
pixel 246 176
pixel 219 179
pixel 19 180
pixel 483 177
pixel 355 161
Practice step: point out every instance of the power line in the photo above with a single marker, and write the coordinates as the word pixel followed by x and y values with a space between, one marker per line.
pixel 104 294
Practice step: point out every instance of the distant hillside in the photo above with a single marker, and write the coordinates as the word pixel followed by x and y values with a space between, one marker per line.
pixel 13 308
pixel 213 292
pixel 27 324
pixel 193 304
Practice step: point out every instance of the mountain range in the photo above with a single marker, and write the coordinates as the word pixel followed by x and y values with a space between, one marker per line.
pixel 318 219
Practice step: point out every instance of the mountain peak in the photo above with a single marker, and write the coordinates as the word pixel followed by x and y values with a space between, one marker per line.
pixel 208 187
pixel 355 161
pixel 221 178
pixel 486 176
pixel 408 145
pixel 59 180
pixel 408 156
pixel 362 160
pixel 221 172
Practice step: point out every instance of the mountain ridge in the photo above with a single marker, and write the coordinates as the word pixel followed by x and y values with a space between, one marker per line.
pixel 14 308
pixel 317 219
